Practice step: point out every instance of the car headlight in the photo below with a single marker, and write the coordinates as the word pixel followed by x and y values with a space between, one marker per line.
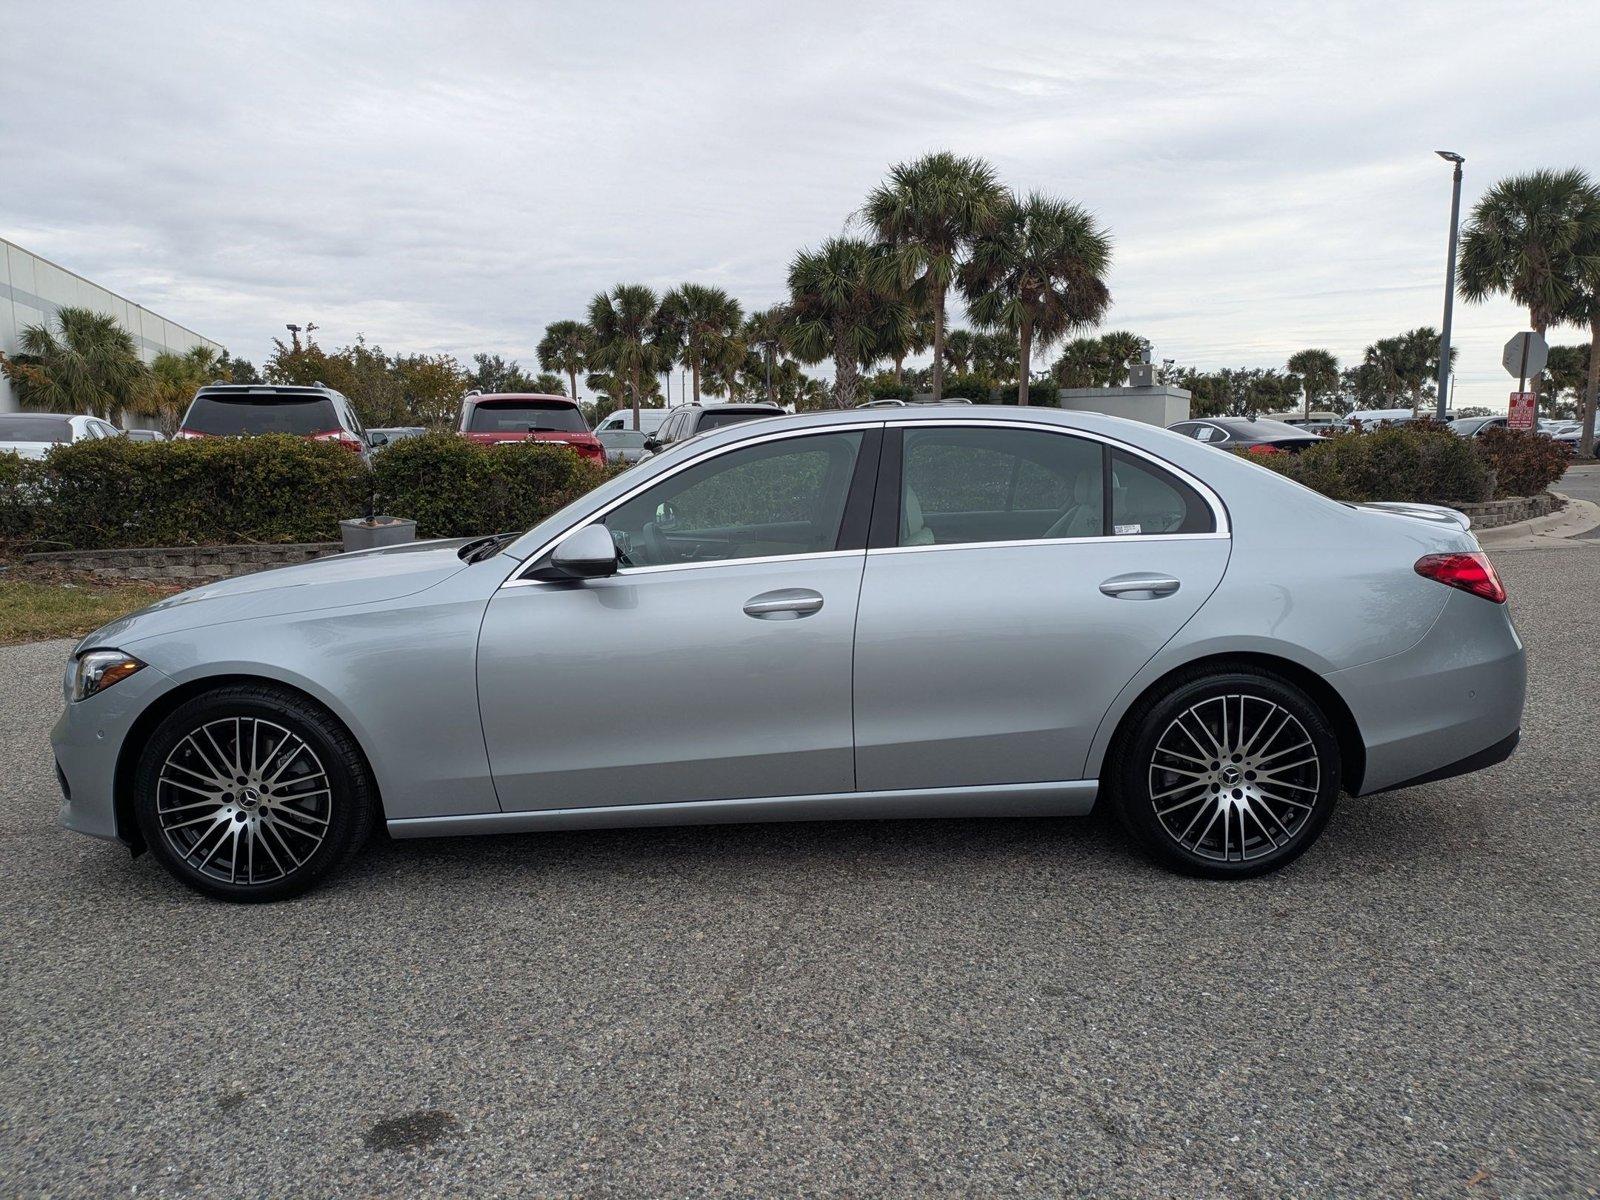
pixel 94 671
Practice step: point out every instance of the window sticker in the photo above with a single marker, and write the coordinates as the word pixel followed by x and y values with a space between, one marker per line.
pixel 1120 530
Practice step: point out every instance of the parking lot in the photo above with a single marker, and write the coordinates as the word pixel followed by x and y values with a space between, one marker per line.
pixel 906 1008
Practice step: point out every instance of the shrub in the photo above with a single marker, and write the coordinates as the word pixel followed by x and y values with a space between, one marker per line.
pixel 1524 463
pixel 1423 463
pixel 112 492
pixel 455 488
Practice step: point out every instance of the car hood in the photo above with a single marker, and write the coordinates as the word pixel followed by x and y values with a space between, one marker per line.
pixel 27 449
pixel 366 577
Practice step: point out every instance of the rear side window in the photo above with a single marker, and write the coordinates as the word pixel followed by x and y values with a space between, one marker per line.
pixel 718 420
pixel 227 416
pixel 975 485
pixel 1145 499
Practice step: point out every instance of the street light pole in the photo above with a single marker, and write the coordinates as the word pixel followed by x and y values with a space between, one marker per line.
pixel 1449 278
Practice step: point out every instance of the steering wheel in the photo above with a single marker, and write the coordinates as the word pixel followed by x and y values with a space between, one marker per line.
pixel 655 546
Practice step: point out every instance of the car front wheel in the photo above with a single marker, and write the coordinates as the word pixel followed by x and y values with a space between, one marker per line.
pixel 249 793
pixel 1227 774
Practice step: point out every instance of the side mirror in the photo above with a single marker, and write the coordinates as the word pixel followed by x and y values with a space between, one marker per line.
pixel 377 439
pixel 653 444
pixel 588 554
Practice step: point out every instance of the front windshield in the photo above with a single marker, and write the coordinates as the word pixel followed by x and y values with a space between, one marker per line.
pixel 34 427
pixel 526 416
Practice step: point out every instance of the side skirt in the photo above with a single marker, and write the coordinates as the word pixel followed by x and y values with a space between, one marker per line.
pixel 1061 799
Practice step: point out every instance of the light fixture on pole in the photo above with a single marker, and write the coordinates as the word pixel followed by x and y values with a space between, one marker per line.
pixel 1449 278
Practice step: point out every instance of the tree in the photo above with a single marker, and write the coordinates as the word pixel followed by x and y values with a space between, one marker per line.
pixel 958 350
pixel 764 334
pixel 1407 364
pixel 1318 372
pixel 1566 378
pixel 86 364
pixel 843 305
pixel 567 346
pixel 910 337
pixel 626 338
pixel 491 374
pixel 698 320
pixel 431 387
pixel 1038 272
pixel 927 213
pixel 1583 308
pixel 1528 239
pixel 174 379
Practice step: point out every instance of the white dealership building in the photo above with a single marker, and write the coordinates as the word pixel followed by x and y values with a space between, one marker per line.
pixel 33 288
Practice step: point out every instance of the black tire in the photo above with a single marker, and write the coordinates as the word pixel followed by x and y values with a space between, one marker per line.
pixel 1270 806
pixel 301 806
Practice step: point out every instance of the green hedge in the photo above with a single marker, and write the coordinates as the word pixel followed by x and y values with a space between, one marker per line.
pixel 1423 463
pixel 1524 463
pixel 113 492
pixel 455 488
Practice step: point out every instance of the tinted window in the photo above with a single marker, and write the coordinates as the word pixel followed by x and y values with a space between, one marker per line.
pixel 722 418
pixel 1146 499
pixel 998 485
pixel 525 416
pixel 225 416
pixel 624 439
pixel 784 497
pixel 31 427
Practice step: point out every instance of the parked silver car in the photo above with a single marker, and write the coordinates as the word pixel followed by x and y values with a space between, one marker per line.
pixel 912 612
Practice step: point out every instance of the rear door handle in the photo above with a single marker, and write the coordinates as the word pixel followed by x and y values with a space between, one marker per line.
pixel 785 604
pixel 1139 587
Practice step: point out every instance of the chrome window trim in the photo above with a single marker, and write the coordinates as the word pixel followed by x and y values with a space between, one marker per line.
pixel 1073 541
pixel 1219 511
pixel 515 578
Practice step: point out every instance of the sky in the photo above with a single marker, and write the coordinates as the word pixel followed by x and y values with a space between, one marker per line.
pixel 453 177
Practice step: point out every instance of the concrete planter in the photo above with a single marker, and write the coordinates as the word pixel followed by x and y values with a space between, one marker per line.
pixel 360 534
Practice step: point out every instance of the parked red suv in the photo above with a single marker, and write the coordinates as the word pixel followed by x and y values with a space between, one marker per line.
pixel 522 417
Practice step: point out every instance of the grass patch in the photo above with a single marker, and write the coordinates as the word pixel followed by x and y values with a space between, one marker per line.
pixel 35 609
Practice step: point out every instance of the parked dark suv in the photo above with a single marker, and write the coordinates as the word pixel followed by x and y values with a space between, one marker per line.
pixel 247 409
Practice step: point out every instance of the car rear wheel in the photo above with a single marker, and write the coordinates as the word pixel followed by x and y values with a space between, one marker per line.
pixel 1228 774
pixel 249 793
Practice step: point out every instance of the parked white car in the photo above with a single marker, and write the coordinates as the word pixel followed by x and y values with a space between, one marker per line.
pixel 650 420
pixel 33 434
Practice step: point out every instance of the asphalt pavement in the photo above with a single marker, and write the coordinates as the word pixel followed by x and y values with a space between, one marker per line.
pixel 877 1009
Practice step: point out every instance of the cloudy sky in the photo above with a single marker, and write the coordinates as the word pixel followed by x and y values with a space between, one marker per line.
pixel 453 177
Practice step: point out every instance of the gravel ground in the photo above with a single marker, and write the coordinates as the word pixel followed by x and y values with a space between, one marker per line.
pixel 908 1008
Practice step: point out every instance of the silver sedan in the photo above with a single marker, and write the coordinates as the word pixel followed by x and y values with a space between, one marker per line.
pixel 909 612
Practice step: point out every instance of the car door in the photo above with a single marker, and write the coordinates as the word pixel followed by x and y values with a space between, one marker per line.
pixel 715 664
pixel 1017 578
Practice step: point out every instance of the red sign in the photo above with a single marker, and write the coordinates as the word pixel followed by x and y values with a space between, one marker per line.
pixel 1520 414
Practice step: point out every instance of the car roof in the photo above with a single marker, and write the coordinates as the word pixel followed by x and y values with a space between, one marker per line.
pixel 1259 428
pixel 269 391
pixel 496 397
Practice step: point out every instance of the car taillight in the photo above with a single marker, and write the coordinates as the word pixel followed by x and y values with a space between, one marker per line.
pixel 343 436
pixel 1470 572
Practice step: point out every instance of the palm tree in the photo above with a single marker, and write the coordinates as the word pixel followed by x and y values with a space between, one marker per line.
pixel 1117 350
pixel 567 346
pixel 764 334
pixel 174 379
pixel 1526 239
pixel 87 364
pixel 1039 273
pixel 1318 372
pixel 625 332
pixel 697 319
pixel 927 213
pixel 1407 363
pixel 914 337
pixel 1584 309
pixel 842 305
pixel 958 350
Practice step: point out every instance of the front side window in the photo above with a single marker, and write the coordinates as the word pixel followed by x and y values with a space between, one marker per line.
pixel 972 485
pixel 776 498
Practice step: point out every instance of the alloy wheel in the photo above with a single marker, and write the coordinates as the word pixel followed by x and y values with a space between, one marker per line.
pixel 243 800
pixel 1234 777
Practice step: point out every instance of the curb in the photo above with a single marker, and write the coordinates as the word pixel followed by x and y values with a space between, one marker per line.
pixel 1574 518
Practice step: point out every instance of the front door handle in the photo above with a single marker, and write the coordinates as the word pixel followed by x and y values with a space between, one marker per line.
pixel 1139 587
pixel 785 604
